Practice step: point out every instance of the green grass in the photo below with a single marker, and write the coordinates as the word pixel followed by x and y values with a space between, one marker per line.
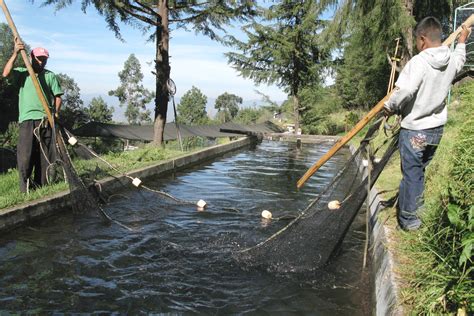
pixel 122 162
pixel 435 263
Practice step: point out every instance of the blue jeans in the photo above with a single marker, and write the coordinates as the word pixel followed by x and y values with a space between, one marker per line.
pixel 417 148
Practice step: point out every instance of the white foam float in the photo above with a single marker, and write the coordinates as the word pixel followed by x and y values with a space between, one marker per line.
pixel 266 214
pixel 334 205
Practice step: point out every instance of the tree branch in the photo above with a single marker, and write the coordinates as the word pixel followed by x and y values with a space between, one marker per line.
pixel 140 17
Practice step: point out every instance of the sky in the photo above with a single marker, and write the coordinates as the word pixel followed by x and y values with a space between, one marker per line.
pixel 81 46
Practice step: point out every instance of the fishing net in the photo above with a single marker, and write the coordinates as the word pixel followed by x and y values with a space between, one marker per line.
pixel 309 241
pixel 60 168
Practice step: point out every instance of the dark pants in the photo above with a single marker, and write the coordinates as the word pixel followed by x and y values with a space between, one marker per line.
pixel 31 155
pixel 417 148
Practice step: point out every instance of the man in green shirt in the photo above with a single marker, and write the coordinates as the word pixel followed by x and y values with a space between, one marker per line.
pixel 34 147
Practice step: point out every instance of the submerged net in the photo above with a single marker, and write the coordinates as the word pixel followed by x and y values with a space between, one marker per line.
pixel 308 242
pixel 82 199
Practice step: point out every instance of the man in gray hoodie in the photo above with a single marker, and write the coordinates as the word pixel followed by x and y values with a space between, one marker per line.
pixel 419 98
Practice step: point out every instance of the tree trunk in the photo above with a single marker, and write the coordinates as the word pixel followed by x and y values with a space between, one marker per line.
pixel 408 53
pixel 162 68
pixel 296 109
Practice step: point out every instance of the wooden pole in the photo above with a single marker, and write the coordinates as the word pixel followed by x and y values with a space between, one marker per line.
pixel 366 119
pixel 26 60
pixel 391 81
pixel 342 141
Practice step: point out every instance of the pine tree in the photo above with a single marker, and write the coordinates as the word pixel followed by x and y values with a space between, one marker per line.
pixel 282 49
pixel 99 111
pixel 192 108
pixel 131 92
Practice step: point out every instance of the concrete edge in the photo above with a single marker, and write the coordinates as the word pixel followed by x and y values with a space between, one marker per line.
pixel 386 289
pixel 38 209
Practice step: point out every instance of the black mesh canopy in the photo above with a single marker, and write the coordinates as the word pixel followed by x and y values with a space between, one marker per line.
pixel 145 132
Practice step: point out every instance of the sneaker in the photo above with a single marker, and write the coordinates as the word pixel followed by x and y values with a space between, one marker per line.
pixel 409 228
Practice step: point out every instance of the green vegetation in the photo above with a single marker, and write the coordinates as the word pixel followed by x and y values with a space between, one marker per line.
pixel 192 108
pixel 227 106
pixel 283 49
pixel 132 94
pixel 436 263
pixel 99 111
pixel 72 113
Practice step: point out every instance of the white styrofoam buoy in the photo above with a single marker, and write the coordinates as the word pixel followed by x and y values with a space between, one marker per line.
pixel 201 205
pixel 334 205
pixel 266 214
pixel 72 140
pixel 136 182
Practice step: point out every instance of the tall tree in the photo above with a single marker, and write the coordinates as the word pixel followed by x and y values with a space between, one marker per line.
pixel 282 49
pixel 72 112
pixel 99 111
pixel 192 107
pixel 205 17
pixel 227 106
pixel 131 92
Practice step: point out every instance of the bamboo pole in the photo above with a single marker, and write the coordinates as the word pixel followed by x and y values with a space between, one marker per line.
pixel 366 119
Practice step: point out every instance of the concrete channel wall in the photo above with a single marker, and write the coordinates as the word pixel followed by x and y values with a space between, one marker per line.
pixel 386 291
pixel 34 210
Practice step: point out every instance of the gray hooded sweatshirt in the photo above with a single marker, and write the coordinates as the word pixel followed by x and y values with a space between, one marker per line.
pixel 423 85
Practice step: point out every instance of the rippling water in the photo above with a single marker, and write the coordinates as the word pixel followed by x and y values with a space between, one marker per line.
pixel 179 260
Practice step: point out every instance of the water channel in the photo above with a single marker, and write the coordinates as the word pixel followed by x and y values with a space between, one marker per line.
pixel 179 260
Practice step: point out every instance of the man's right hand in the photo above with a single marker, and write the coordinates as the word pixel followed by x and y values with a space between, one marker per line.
pixel 464 35
pixel 18 45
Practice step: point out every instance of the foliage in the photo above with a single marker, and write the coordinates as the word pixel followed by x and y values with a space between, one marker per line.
pixel 253 115
pixel 10 137
pixel 72 113
pixel 99 111
pixel 203 17
pixel 192 108
pixel 363 75
pixel 282 49
pixel 227 106
pixel 8 95
pixel 131 92
pixel 319 103
pixel 441 277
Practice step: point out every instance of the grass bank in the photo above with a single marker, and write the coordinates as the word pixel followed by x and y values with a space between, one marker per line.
pixel 435 263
